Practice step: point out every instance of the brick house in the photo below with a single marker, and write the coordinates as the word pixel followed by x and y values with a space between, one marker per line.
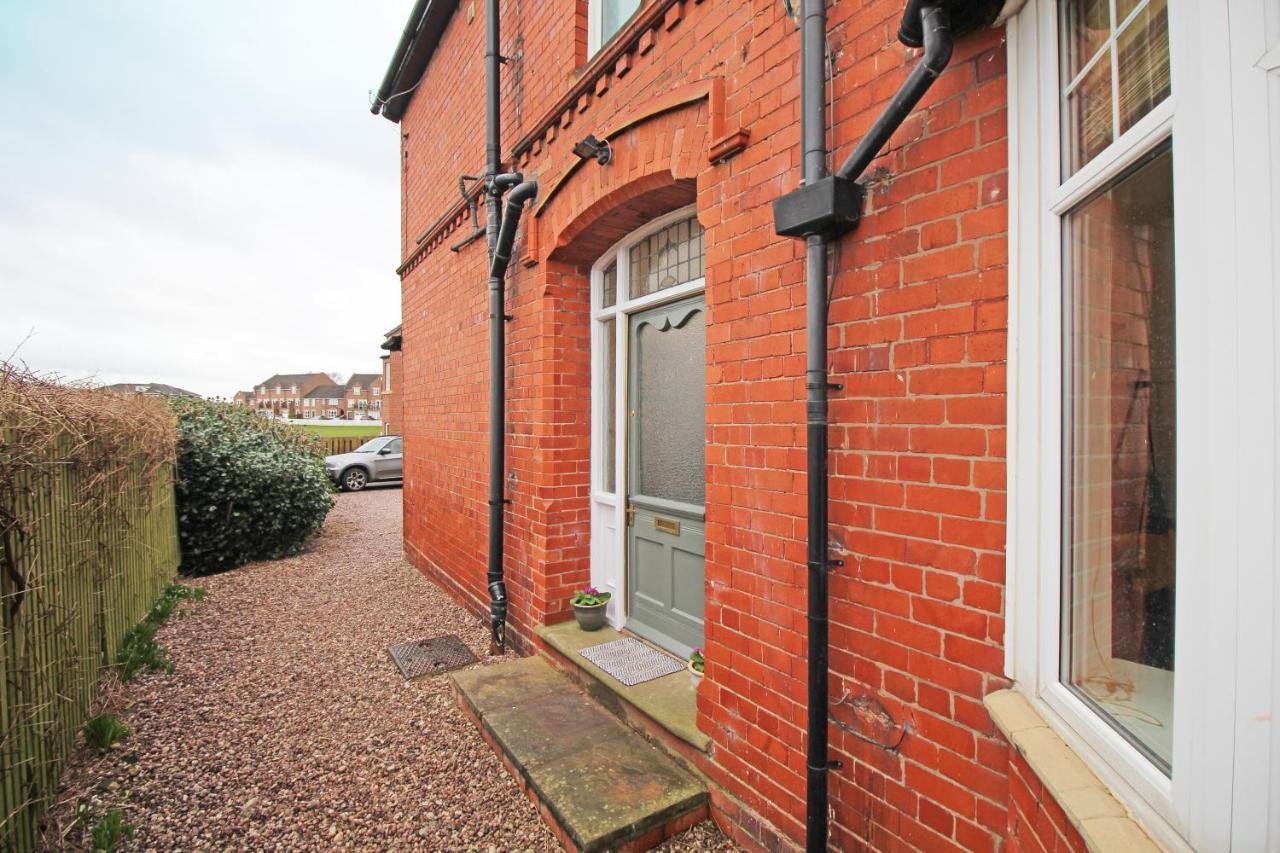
pixel 245 399
pixel 283 393
pixel 392 376
pixel 1025 418
pixel 362 396
pixel 324 401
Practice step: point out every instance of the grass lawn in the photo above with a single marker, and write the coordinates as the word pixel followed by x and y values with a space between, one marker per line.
pixel 342 430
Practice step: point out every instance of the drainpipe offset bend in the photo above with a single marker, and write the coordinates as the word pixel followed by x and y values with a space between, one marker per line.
pixel 933 24
pixel 502 247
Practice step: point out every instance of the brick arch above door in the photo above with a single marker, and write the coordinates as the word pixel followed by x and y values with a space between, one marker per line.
pixel 615 214
pixel 659 151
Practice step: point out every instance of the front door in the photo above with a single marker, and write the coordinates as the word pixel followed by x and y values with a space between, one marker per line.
pixel 666 474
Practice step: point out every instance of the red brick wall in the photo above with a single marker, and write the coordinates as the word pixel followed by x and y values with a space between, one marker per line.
pixel 392 407
pixel 918 339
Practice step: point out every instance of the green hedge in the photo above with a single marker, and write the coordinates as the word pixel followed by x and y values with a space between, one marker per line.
pixel 248 488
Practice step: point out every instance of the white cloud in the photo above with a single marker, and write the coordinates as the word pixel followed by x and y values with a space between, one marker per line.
pixel 203 198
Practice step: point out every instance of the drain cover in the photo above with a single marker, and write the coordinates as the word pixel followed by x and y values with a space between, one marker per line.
pixel 431 656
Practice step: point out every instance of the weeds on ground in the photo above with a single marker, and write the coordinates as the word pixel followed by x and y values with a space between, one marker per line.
pixel 110 830
pixel 139 648
pixel 105 731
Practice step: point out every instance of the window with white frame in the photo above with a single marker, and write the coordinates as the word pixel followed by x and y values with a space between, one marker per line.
pixel 1119 377
pixel 605 18
pixel 1094 226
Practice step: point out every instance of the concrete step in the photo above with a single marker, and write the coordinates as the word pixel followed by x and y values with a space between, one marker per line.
pixel 599 784
pixel 664 709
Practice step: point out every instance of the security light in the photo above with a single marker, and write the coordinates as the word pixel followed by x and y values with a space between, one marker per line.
pixel 592 147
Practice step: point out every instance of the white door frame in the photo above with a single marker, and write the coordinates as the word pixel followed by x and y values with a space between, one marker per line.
pixel 608 525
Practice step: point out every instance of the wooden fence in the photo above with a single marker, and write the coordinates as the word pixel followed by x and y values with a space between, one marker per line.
pixel 335 444
pixel 74 578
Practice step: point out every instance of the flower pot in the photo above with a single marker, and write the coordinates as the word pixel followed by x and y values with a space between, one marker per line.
pixel 696 674
pixel 590 617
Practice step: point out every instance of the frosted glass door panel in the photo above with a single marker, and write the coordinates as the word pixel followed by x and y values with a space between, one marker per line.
pixel 669 404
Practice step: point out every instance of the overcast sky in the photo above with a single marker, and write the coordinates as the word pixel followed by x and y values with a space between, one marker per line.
pixel 195 192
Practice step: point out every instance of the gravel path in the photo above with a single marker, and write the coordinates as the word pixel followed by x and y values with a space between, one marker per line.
pixel 285 727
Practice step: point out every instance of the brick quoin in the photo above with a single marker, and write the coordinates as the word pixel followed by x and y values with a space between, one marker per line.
pixel 918 340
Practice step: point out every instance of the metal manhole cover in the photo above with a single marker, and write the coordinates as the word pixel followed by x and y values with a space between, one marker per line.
pixel 431 656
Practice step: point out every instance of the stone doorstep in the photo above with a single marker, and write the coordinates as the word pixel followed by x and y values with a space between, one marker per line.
pixel 664 709
pixel 598 784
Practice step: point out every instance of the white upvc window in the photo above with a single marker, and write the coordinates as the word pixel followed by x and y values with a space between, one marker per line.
pixel 1137 455
pixel 605 18
pixel 386 376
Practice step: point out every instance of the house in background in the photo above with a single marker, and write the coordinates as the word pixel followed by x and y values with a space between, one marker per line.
pixel 151 389
pixel 282 394
pixel 392 376
pixel 362 397
pixel 244 398
pixel 324 401
pixel 1052 344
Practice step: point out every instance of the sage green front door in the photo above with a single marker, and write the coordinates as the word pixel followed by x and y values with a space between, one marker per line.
pixel 666 474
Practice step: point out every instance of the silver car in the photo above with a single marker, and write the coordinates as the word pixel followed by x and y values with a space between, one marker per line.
pixel 378 460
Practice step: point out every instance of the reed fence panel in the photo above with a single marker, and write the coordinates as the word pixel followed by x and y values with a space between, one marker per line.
pixel 75 576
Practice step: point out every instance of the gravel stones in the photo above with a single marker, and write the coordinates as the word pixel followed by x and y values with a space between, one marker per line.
pixel 286 727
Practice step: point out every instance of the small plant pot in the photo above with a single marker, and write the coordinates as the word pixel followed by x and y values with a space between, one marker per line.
pixel 590 616
pixel 696 674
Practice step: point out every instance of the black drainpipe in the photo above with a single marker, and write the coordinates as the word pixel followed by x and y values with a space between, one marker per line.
pixel 501 256
pixel 492 121
pixel 500 238
pixel 813 139
pixel 822 208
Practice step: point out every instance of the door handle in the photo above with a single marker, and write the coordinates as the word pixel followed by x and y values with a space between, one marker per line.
pixel 631 514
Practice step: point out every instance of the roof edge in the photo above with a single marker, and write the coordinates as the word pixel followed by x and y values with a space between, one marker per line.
pixel 413 53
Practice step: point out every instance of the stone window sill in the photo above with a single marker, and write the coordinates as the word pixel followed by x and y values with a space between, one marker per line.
pixel 1097 815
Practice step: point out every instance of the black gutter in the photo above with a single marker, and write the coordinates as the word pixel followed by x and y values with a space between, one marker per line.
pixel 413 52
pixel 524 190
